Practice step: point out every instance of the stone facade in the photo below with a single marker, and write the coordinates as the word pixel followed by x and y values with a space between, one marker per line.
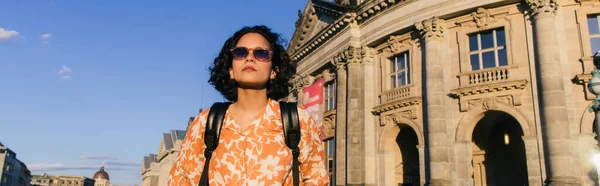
pixel 61 180
pixel 439 92
pixel 156 167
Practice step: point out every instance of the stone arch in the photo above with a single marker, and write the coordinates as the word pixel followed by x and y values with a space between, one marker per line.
pixel 391 129
pixel 587 121
pixel 466 125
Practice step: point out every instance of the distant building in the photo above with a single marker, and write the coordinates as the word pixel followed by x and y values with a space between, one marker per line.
pixel 13 172
pixel 156 167
pixel 101 177
pixel 61 180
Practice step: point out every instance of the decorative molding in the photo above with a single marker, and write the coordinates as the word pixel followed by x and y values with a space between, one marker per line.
pixel 329 124
pixel 396 117
pixel 490 103
pixel 398 43
pixel 328 76
pixel 584 79
pixel 341 23
pixel 416 100
pixel 368 54
pixel 540 8
pixel 482 17
pixel 354 56
pixel 431 29
pixel 484 88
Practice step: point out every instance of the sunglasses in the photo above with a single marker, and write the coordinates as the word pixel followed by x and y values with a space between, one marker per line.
pixel 240 53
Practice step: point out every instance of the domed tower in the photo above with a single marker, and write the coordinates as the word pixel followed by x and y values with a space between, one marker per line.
pixel 101 177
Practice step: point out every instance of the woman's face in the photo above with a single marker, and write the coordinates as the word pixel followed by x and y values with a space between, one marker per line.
pixel 251 66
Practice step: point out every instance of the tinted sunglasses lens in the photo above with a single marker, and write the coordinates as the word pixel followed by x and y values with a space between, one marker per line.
pixel 239 53
pixel 262 55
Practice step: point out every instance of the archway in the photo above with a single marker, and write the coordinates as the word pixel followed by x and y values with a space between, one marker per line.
pixel 407 168
pixel 499 156
pixel 400 141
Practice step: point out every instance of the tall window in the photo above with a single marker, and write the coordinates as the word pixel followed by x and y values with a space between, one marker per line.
pixel 400 75
pixel 330 96
pixel 330 153
pixel 487 49
pixel 593 24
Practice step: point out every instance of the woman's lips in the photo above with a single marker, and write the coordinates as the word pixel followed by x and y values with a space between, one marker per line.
pixel 249 69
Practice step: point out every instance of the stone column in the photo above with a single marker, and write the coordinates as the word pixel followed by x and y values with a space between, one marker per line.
pixel 370 126
pixel 463 151
pixel 533 160
pixel 432 32
pixel 554 115
pixel 356 120
pixel 340 127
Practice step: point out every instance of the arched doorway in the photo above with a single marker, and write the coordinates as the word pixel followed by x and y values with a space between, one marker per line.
pixel 499 157
pixel 407 157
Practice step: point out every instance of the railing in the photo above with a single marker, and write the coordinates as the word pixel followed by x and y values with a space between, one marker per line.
pixel 487 76
pixel 398 94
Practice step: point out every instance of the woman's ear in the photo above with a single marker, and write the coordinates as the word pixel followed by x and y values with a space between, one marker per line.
pixel 274 72
pixel 231 73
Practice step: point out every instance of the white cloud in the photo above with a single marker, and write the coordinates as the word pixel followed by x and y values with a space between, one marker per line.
pixel 60 166
pixel 66 77
pixel 122 163
pixel 64 69
pixel 97 157
pixel 46 36
pixel 7 34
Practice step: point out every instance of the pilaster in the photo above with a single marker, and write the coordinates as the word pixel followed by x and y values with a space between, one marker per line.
pixel 340 61
pixel 370 126
pixel 432 35
pixel 554 113
pixel 356 119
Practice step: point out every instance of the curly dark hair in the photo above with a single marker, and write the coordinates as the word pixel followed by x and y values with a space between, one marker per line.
pixel 277 89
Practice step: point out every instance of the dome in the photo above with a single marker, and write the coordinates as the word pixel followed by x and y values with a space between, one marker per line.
pixel 101 174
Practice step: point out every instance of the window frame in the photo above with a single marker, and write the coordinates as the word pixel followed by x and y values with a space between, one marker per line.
pixel 407 70
pixel 480 51
pixel 331 96
pixel 590 35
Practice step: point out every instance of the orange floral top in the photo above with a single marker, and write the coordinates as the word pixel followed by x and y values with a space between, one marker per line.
pixel 254 156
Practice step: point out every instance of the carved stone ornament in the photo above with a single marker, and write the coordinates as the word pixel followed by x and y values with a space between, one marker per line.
pixel 329 125
pixel 482 17
pixel 431 28
pixel 354 55
pixel 339 60
pixel 396 118
pixel 328 76
pixel 307 80
pixel 395 43
pixel 490 103
pixel 368 54
pixel 542 7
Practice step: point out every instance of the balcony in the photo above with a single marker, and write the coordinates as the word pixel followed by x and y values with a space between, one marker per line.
pixel 488 80
pixel 398 97
pixel 487 76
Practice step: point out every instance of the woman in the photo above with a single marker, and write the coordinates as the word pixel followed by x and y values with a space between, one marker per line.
pixel 252 71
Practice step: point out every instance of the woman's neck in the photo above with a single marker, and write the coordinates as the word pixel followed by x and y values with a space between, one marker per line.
pixel 251 100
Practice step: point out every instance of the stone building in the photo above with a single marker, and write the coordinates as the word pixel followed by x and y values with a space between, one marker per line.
pixel 439 92
pixel 156 167
pixel 13 172
pixel 61 180
pixel 101 177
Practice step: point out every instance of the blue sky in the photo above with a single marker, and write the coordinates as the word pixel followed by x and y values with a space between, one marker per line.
pixel 89 81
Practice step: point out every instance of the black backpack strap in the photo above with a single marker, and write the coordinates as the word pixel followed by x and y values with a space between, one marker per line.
pixel 291 132
pixel 211 135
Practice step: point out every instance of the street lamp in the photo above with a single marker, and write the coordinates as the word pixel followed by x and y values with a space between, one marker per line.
pixel 594 88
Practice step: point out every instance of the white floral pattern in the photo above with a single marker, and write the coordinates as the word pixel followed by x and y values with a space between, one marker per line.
pixel 254 156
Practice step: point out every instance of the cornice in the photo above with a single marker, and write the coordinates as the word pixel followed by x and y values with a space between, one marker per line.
pixel 415 100
pixel 493 87
pixel 340 24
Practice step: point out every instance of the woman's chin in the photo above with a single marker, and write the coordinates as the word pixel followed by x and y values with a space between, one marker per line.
pixel 252 85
